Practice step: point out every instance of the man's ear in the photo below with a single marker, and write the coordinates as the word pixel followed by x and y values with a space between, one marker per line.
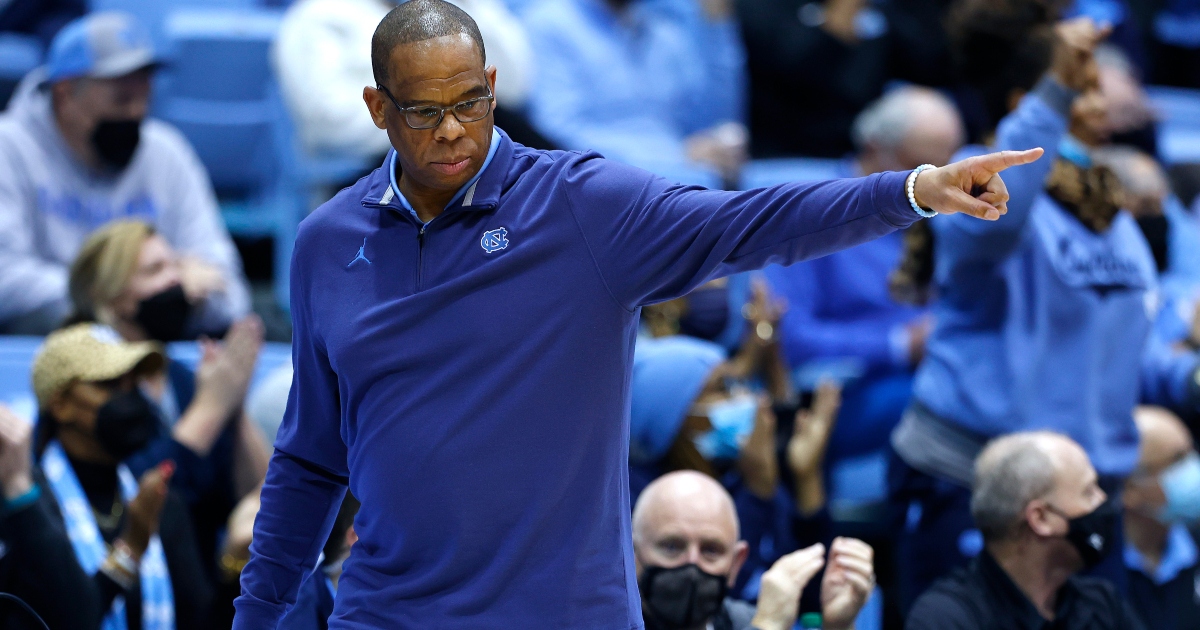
pixel 377 103
pixel 491 79
pixel 741 551
pixel 1039 518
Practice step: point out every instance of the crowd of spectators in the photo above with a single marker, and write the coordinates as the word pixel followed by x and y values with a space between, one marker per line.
pixel 1030 387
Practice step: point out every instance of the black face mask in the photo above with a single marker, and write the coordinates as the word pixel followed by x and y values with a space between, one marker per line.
pixel 1094 533
pixel 683 597
pixel 115 141
pixel 126 423
pixel 707 313
pixel 163 316
pixel 1156 229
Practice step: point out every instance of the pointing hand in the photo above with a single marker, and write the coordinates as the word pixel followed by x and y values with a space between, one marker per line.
pixel 971 186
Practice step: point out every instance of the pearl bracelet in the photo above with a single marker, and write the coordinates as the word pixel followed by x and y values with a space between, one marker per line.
pixel 910 185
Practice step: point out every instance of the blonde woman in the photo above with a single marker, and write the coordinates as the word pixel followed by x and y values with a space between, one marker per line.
pixel 128 278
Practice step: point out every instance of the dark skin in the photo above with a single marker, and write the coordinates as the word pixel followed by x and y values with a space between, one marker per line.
pixel 433 164
pixel 75 409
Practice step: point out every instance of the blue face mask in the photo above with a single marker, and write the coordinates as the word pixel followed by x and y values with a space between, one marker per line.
pixel 1181 485
pixel 732 421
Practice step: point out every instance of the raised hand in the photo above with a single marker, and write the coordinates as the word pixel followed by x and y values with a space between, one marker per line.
pixel 225 369
pixel 779 594
pixel 806 448
pixel 848 582
pixel 199 278
pixel 221 381
pixel 146 508
pixel 971 186
pixel 1072 63
pixel 16 470
pixel 756 459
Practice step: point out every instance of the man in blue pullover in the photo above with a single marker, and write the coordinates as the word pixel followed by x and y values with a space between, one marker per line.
pixel 464 320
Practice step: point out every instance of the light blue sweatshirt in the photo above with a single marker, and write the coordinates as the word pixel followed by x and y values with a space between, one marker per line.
pixel 50 202
pixel 633 85
pixel 1041 323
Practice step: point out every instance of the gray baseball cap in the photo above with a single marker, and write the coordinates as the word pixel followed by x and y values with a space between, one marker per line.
pixel 102 45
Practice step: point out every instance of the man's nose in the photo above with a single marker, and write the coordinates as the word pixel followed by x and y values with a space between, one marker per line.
pixel 693 554
pixel 450 129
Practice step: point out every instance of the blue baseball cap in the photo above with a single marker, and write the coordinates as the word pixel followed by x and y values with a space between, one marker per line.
pixel 668 374
pixel 101 45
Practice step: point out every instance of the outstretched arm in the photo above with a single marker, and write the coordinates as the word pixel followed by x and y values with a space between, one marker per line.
pixel 653 241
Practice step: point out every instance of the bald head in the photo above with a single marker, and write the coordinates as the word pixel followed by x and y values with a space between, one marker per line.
pixel 1164 439
pixel 1142 179
pixel 418 21
pixel 907 127
pixel 686 517
pixel 682 496
pixel 1018 468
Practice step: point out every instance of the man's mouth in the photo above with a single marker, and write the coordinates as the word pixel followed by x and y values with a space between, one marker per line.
pixel 451 168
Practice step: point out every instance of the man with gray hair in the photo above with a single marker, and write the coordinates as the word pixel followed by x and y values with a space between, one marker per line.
pixel 1044 518
pixel 839 307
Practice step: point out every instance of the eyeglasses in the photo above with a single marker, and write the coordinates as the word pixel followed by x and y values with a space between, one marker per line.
pixel 430 116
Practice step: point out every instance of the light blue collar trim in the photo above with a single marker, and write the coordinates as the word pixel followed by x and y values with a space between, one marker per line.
pixel 1180 555
pixel 493 146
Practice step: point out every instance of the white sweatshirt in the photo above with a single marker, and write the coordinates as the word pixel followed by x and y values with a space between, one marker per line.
pixel 322 57
pixel 50 202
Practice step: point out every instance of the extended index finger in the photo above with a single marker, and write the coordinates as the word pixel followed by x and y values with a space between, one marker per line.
pixel 996 162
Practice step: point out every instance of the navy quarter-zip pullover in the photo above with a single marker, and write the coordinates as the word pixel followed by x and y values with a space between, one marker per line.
pixel 469 380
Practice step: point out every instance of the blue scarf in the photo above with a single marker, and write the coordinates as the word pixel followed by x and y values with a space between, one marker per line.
pixel 158 600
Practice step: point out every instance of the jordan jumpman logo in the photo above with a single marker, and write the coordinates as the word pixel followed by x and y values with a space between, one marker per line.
pixel 361 255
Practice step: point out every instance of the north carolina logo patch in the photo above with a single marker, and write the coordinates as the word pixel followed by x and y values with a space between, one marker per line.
pixel 494 240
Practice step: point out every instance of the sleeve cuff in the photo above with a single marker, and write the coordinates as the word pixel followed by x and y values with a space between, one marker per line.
pixel 25 500
pixel 891 199
pixel 1056 95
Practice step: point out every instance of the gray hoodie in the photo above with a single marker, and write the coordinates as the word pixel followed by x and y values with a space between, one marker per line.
pixel 50 202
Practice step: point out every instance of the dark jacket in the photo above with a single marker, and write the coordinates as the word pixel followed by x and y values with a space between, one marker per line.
pixel 39 566
pixel 983 597
pixel 1167 601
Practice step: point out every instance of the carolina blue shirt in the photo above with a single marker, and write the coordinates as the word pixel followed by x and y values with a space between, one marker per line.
pixel 1043 324
pixel 634 85
pixel 471 385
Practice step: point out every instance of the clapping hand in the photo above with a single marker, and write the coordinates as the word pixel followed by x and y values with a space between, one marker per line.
pixel 226 369
pixel 971 186
pixel 848 582
pixel 145 509
pixel 779 594
pixel 199 278
pixel 756 459
pixel 16 470
pixel 806 447
pixel 222 379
